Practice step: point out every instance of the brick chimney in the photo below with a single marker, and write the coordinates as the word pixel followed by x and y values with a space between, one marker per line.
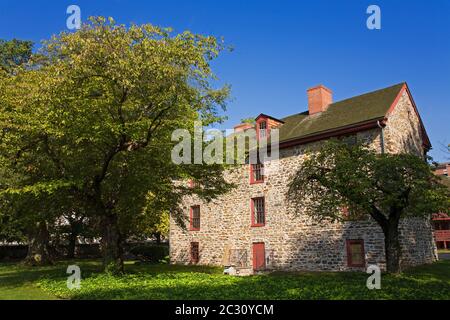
pixel 319 98
pixel 242 127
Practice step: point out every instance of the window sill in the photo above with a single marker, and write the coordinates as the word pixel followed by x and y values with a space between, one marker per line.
pixel 192 229
pixel 257 182
pixel 258 225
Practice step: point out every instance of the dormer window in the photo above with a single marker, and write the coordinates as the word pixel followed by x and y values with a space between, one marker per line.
pixel 262 129
pixel 264 124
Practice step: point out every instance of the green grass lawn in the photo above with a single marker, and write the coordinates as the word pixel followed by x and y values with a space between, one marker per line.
pixel 20 283
pixel 190 282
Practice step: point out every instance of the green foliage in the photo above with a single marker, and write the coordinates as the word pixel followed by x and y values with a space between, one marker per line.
pixel 113 269
pixel 165 260
pixel 156 216
pixel 248 120
pixel 11 228
pixel 384 186
pixel 87 124
pixel 19 282
pixel 195 282
pixel 14 53
pixel 151 253
pixel 352 177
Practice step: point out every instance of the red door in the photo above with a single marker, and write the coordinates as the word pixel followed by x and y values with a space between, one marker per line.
pixel 259 256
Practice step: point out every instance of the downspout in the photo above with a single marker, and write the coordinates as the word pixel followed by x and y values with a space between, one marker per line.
pixel 381 136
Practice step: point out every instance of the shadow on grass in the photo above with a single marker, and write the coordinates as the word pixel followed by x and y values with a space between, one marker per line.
pixel 439 271
pixel 144 281
pixel 136 267
pixel 267 287
pixel 181 282
pixel 16 274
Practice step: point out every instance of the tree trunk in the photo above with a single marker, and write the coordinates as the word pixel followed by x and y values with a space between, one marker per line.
pixel 38 246
pixel 392 247
pixel 112 245
pixel 72 245
pixel 158 237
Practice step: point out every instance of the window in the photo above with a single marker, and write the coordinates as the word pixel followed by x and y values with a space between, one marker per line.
pixel 195 256
pixel 262 129
pixel 355 253
pixel 257 173
pixel 345 213
pixel 195 218
pixel 194 184
pixel 258 212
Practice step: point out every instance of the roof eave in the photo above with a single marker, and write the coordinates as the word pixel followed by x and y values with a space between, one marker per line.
pixel 262 115
pixel 357 127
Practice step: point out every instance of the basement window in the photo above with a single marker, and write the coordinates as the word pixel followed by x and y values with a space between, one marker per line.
pixel 258 212
pixel 355 253
pixel 195 255
pixel 195 218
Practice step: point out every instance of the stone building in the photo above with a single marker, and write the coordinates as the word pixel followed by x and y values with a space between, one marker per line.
pixel 253 227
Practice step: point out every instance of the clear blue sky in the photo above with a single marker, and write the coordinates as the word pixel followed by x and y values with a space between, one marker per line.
pixel 284 47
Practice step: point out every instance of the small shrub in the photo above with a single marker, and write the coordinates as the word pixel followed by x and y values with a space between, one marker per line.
pixel 150 253
pixel 166 260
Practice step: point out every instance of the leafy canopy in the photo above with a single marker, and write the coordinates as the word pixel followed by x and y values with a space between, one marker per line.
pixel 89 120
pixel 14 53
pixel 354 177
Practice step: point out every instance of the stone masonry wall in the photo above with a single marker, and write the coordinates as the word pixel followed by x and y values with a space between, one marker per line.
pixel 293 241
pixel 402 133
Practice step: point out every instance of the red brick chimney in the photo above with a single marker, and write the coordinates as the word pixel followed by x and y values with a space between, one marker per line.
pixel 319 98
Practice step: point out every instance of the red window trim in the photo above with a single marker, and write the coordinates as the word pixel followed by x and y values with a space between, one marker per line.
pixel 194 259
pixel 252 180
pixel 349 255
pixel 193 184
pixel 252 205
pixel 191 219
pixel 345 213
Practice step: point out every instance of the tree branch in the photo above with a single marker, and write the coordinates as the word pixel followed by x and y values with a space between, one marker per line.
pixel 378 216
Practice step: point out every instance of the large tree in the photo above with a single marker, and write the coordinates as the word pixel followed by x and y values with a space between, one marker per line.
pixel 24 217
pixel 95 114
pixel 14 53
pixel 386 187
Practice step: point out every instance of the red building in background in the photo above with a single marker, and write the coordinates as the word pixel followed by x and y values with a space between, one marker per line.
pixel 441 221
pixel 442 169
pixel 441 224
